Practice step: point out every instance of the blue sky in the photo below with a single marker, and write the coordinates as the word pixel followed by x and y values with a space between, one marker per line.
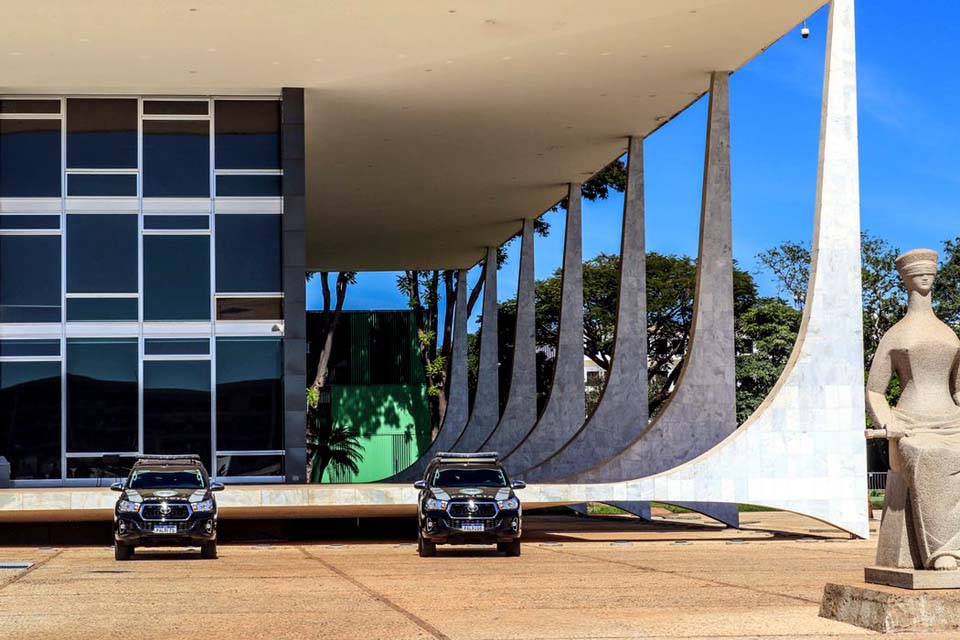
pixel 909 151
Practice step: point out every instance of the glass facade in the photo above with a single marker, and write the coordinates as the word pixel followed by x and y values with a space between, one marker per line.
pixel 140 285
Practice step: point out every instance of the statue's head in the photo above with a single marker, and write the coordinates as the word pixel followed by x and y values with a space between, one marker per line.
pixel 918 268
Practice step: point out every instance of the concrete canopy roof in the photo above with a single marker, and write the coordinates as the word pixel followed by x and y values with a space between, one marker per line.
pixel 432 127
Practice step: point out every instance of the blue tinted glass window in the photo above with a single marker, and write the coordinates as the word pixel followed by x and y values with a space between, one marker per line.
pixel 176 407
pixel 248 253
pixel 176 277
pixel 102 394
pixel 30 419
pixel 103 185
pixel 176 346
pixel 29 222
pixel 249 394
pixel 249 186
pixel 248 134
pixel 176 222
pixel 176 159
pixel 102 309
pixel 30 158
pixel 260 465
pixel 30 278
pixel 101 133
pixel 37 347
pixel 101 253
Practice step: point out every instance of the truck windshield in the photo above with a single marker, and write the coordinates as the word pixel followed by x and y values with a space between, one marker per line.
pixel 166 480
pixel 469 478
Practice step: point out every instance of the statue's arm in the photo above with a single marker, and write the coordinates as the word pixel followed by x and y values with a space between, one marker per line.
pixel 881 371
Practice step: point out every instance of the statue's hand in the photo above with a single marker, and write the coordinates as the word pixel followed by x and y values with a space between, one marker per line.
pixel 895 430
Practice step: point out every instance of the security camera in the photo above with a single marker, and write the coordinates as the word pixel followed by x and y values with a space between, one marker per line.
pixel 805 32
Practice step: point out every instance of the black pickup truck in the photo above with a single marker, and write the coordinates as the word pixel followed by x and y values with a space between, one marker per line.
pixel 166 501
pixel 468 499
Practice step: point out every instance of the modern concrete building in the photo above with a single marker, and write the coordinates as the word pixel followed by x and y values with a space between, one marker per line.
pixel 169 172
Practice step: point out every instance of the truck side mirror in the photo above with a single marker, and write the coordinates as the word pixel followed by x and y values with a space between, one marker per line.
pixel 217 486
pixel 518 484
pixel 420 485
pixel 116 486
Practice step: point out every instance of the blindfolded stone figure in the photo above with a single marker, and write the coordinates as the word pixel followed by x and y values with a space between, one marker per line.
pixel 921 521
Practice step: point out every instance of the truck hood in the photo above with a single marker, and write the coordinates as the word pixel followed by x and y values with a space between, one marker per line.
pixel 474 493
pixel 164 495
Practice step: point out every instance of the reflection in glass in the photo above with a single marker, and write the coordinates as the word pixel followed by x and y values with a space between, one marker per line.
pixel 248 254
pixel 249 394
pixel 176 407
pixel 102 309
pixel 102 394
pixel 30 419
pixel 176 277
pixel 101 253
pixel 249 308
pixel 246 465
pixel 108 467
pixel 248 134
pixel 176 158
pixel 30 278
pixel 29 158
pixel 101 133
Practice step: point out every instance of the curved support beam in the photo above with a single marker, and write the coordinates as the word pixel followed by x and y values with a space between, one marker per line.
pixel 455 419
pixel 486 403
pixel 813 417
pixel 565 408
pixel 520 412
pixel 621 413
pixel 701 412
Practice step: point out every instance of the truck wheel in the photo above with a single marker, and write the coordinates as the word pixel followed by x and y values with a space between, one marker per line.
pixel 502 547
pixel 208 551
pixel 428 548
pixel 513 548
pixel 122 551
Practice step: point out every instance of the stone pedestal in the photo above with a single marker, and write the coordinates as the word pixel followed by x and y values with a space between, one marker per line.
pixel 890 609
pixel 912 578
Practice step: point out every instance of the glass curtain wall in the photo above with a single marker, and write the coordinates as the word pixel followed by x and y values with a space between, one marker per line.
pixel 140 285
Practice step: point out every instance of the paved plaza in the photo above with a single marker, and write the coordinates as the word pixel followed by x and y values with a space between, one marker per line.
pixel 577 578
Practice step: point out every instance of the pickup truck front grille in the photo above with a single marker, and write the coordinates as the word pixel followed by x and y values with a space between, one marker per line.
pixel 472 509
pixel 165 512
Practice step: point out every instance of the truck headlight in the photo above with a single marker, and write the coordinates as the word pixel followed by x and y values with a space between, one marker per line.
pixel 125 506
pixel 204 506
pixel 509 504
pixel 433 504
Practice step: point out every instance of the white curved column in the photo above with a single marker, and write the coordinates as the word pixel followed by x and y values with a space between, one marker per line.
pixel 520 411
pixel 486 402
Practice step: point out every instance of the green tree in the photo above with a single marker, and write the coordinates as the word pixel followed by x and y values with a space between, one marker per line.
pixel 766 333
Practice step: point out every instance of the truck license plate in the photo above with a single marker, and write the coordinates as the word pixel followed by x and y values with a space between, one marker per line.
pixel 164 528
pixel 473 526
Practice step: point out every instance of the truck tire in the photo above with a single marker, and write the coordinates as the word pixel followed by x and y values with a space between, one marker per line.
pixel 209 551
pixel 513 548
pixel 122 551
pixel 427 548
